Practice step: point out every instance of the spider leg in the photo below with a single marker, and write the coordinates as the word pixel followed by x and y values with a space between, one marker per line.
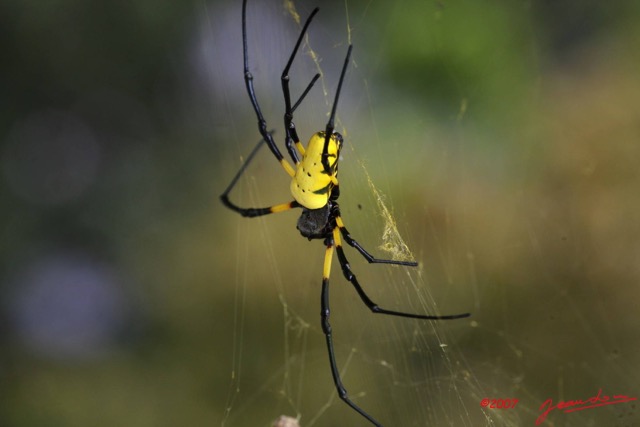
pixel 291 136
pixel 248 80
pixel 326 328
pixel 375 308
pixel 252 212
pixel 370 258
pixel 331 123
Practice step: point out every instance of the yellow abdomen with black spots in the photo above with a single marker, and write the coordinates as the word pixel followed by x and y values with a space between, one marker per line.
pixel 311 185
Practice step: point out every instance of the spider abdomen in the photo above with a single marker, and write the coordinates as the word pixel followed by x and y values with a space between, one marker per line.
pixel 311 185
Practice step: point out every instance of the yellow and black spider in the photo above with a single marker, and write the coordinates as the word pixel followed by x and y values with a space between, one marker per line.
pixel 314 187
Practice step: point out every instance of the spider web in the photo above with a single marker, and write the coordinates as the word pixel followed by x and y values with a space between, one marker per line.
pixel 411 384
pixel 437 180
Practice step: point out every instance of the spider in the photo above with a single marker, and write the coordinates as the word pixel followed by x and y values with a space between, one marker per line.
pixel 315 190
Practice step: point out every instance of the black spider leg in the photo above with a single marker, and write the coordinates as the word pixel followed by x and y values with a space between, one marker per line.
pixel 244 166
pixel 252 212
pixel 331 123
pixel 325 312
pixel 266 136
pixel 332 242
pixel 248 79
pixel 375 308
pixel 370 258
pixel 348 273
pixel 291 136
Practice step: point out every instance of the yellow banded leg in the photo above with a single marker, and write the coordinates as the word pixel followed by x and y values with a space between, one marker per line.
pixel 253 212
pixel 336 237
pixel 328 257
pixel 282 207
pixel 287 167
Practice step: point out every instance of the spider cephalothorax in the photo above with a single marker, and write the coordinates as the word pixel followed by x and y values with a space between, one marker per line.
pixel 314 187
pixel 314 223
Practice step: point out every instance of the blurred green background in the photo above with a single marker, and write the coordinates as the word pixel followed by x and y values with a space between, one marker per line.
pixel 503 135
